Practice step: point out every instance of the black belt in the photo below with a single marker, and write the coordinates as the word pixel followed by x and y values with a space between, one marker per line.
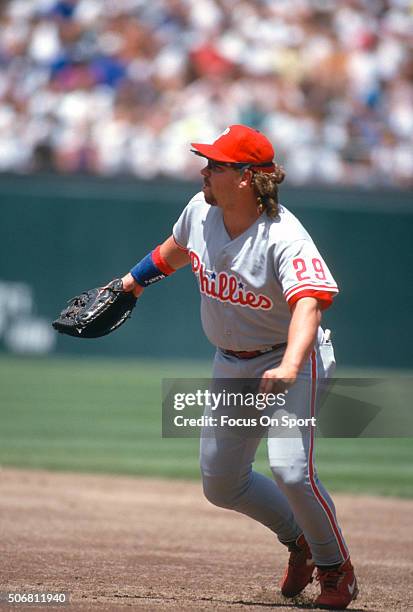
pixel 252 354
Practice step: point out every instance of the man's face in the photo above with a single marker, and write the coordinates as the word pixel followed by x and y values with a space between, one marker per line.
pixel 220 182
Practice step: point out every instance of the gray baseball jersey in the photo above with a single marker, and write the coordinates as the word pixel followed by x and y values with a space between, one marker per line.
pixel 249 284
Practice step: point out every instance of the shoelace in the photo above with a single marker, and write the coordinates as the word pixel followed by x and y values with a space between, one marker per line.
pixel 330 579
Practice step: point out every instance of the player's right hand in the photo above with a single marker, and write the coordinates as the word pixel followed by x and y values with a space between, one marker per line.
pixel 130 284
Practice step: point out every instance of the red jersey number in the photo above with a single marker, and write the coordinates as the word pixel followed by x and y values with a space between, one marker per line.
pixel 300 268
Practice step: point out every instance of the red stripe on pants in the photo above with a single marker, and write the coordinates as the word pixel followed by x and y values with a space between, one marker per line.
pixel 330 514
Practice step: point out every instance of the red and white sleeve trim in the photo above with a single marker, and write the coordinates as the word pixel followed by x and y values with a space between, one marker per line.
pixel 312 286
pixel 324 298
pixel 323 293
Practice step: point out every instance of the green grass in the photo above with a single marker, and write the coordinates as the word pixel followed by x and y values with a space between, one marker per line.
pixel 105 416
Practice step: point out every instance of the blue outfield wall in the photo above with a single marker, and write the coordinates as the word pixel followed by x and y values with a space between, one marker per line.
pixel 61 235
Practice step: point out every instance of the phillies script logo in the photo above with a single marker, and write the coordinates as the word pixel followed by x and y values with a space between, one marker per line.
pixel 226 287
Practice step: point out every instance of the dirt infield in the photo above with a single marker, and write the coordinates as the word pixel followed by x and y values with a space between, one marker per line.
pixel 116 542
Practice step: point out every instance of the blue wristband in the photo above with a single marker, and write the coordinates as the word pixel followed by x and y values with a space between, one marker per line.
pixel 146 272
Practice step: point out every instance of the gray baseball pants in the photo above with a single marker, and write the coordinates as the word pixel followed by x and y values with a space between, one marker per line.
pixel 295 501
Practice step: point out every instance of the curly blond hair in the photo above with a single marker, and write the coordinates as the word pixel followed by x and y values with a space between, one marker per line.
pixel 266 188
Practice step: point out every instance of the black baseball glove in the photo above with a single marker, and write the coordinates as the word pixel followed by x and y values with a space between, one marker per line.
pixel 96 312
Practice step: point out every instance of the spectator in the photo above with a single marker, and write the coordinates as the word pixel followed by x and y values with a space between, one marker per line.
pixel 121 87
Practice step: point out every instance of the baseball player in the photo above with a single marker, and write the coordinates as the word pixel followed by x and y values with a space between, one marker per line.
pixel 263 287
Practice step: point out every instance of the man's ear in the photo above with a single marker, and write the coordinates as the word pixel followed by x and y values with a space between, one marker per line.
pixel 246 179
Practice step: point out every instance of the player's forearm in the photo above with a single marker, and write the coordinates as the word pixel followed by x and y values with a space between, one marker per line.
pixel 302 333
pixel 175 256
pixel 166 259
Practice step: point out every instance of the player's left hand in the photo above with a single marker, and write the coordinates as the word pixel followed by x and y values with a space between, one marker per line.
pixel 129 284
pixel 277 380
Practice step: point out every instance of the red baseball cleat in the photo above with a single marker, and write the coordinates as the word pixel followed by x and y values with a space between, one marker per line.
pixel 338 587
pixel 300 568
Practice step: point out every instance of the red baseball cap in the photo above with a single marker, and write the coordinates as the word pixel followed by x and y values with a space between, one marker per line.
pixel 239 144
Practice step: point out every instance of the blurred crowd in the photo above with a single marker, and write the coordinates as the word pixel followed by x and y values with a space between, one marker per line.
pixel 122 86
